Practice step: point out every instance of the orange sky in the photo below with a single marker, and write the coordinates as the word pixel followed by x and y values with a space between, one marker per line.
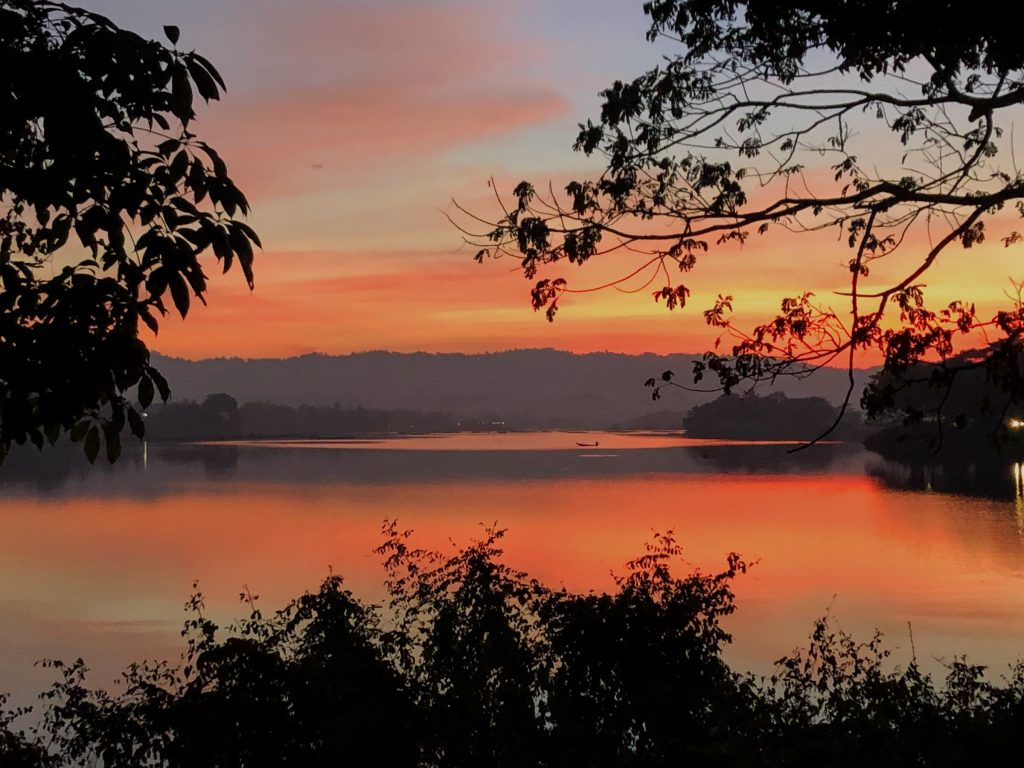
pixel 351 125
pixel 339 302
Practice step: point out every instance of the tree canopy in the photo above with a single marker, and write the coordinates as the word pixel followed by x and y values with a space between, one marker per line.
pixel 774 417
pixel 889 121
pixel 107 202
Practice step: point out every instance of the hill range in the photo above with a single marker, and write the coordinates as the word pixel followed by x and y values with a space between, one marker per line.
pixel 524 388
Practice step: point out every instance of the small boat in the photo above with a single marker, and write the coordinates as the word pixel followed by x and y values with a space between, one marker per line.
pixel 588 445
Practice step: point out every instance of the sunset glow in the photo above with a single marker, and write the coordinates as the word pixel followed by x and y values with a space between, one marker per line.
pixel 443 383
pixel 352 125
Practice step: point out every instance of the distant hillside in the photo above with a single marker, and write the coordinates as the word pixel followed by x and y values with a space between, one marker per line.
pixel 528 388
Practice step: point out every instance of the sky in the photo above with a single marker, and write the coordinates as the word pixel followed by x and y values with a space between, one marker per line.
pixel 352 125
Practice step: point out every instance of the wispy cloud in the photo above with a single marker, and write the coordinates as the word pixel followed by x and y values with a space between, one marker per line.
pixel 336 94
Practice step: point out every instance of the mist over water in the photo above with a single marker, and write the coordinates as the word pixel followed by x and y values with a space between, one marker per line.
pixel 98 563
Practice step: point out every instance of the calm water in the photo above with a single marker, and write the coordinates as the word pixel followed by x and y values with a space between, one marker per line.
pixel 98 562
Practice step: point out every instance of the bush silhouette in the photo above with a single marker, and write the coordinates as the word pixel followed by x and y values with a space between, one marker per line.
pixel 473 663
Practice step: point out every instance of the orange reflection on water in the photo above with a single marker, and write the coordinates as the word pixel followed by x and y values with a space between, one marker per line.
pixel 113 574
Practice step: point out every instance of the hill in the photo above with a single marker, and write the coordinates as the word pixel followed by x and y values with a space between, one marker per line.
pixel 526 388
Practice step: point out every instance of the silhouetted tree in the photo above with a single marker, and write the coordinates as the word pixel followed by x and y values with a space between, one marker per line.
pixel 773 417
pixel 894 112
pixel 639 677
pixel 107 202
pixel 222 404
pixel 307 686
pixel 17 749
pixel 971 418
pixel 969 395
pixel 471 644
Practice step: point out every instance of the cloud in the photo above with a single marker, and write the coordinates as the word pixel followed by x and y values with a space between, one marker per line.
pixel 421 43
pixel 339 302
pixel 304 141
pixel 333 95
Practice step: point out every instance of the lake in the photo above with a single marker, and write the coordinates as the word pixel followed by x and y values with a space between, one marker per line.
pixel 98 561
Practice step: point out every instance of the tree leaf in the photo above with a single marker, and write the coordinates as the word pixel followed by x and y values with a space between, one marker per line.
pixel 145 391
pixel 148 319
pixel 211 69
pixel 113 447
pixel 79 430
pixel 179 166
pixel 136 424
pixel 241 245
pixel 205 84
pixel 179 293
pixel 161 384
pixel 92 444
pixel 181 94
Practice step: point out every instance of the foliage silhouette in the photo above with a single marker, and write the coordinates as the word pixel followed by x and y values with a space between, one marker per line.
pixel 474 663
pixel 470 641
pixel 639 678
pixel 899 127
pixel 972 414
pixel 107 202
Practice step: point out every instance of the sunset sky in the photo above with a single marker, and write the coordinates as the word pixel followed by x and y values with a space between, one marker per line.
pixel 352 124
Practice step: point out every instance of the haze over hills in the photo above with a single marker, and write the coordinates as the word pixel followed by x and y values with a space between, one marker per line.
pixel 526 388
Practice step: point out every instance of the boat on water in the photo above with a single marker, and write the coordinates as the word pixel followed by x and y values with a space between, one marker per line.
pixel 588 445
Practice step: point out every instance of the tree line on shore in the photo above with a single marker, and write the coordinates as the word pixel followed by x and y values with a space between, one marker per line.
pixel 220 417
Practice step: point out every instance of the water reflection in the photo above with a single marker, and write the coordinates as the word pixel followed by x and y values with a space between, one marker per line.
pixel 1018 488
pixel 98 562
pixel 988 477
pixel 166 466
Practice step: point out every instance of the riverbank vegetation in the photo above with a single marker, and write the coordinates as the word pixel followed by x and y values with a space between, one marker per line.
pixel 772 417
pixel 220 417
pixel 474 663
